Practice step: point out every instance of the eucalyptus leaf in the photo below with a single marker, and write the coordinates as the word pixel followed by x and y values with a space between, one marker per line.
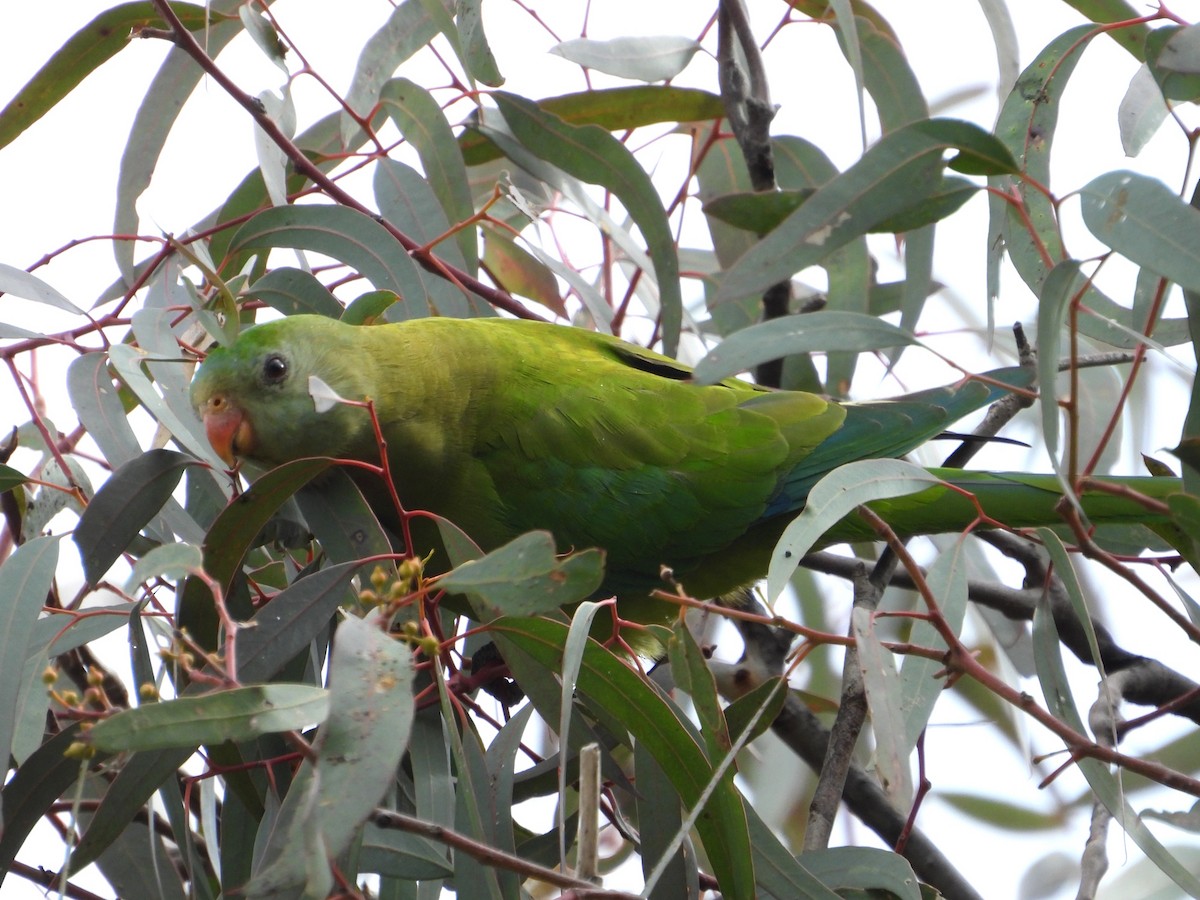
pixel 525 576
pixel 640 57
pixel 235 714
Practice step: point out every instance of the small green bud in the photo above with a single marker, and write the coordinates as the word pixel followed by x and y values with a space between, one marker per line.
pixel 79 750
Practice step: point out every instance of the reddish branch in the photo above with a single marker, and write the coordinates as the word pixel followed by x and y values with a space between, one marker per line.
pixel 185 41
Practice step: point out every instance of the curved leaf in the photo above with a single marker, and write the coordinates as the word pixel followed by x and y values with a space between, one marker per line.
pixel 20 283
pixel 1173 59
pixel 229 538
pixel 236 714
pixel 406 200
pixel 128 362
pixel 36 786
pixel 172 561
pixel 1142 219
pixel 834 497
pixel 357 751
pixel 25 580
pixel 472 44
pixel 409 27
pixel 640 57
pixel 895 176
pixel 342 233
pixel 422 122
pixel 98 404
pixel 11 478
pixel 613 109
pixel 156 116
pixel 1056 690
pixel 591 154
pixel 864 870
pixel 124 504
pixel 526 577
pixel 84 52
pixel 293 291
pixel 826 330
pixel 610 684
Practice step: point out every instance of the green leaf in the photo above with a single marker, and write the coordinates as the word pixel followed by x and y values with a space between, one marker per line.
pixel 591 154
pixel 1142 219
pixel 757 211
pixel 920 684
pixel 406 201
pixel 84 52
pixel 409 27
pixel 11 478
pixel 423 124
pixel 1132 37
pixel 826 330
pixel 162 104
pixel 25 580
pixel 342 233
pixel 369 308
pixel 1027 125
pixel 519 272
pixel 895 176
pixel 265 37
pixel 639 57
pixel 658 822
pixel 609 684
pixel 124 861
pixel 865 869
pixel 692 675
pixel 526 577
pixel 882 687
pixel 357 748
pixel 171 561
pixel 880 66
pixel 472 45
pixel 231 535
pixel 293 291
pixel 236 714
pixel 613 109
pixel 944 200
pixel 399 854
pixel 20 283
pixel 128 362
pixel 1056 689
pixel 744 712
pixel 97 402
pixel 342 521
pixel 834 497
pixel 776 870
pixel 1173 57
pixel 38 783
pixel 979 152
pixel 287 625
pixel 1141 113
pixel 321 143
pixel 130 498
pixel 1002 813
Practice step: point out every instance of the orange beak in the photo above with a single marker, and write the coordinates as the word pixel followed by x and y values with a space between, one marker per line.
pixel 227 428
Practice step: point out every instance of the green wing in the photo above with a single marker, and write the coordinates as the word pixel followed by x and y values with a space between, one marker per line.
pixel 613 447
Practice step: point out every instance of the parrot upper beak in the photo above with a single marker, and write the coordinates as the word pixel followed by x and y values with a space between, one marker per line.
pixel 227 428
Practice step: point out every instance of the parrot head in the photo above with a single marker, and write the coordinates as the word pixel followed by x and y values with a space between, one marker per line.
pixel 255 396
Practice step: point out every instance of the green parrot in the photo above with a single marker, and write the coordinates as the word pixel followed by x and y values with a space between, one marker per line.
pixel 505 426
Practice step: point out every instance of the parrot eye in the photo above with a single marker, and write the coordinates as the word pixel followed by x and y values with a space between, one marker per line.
pixel 274 369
